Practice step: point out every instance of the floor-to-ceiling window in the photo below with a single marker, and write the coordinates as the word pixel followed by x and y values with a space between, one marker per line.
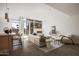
pixel 34 26
pixel 27 26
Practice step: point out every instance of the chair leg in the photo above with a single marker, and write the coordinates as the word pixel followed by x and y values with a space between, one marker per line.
pixel 20 41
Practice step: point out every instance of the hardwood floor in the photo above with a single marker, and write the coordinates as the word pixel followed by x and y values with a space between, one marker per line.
pixel 30 49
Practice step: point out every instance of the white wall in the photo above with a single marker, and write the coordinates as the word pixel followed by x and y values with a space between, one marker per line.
pixel 75 24
pixel 50 16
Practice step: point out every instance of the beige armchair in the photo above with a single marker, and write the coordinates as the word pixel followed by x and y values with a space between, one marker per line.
pixel 67 39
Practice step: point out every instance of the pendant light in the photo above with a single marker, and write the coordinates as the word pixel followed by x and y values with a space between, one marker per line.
pixel 6 13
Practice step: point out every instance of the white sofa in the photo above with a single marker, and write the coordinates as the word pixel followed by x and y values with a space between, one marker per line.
pixel 34 39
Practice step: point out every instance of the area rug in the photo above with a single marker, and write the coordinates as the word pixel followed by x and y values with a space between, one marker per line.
pixel 53 47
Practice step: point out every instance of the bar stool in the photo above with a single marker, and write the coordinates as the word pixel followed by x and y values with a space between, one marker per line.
pixel 17 38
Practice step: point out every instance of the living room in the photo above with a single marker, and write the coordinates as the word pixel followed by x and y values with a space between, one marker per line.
pixel 63 16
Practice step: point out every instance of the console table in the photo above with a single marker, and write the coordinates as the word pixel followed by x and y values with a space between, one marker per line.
pixel 5 42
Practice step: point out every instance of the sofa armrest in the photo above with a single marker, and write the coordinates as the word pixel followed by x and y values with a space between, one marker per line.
pixel 67 40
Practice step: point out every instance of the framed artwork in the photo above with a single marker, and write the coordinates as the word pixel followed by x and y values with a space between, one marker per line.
pixel 53 29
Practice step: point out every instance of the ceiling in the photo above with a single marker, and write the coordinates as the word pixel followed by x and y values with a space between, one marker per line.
pixel 68 8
